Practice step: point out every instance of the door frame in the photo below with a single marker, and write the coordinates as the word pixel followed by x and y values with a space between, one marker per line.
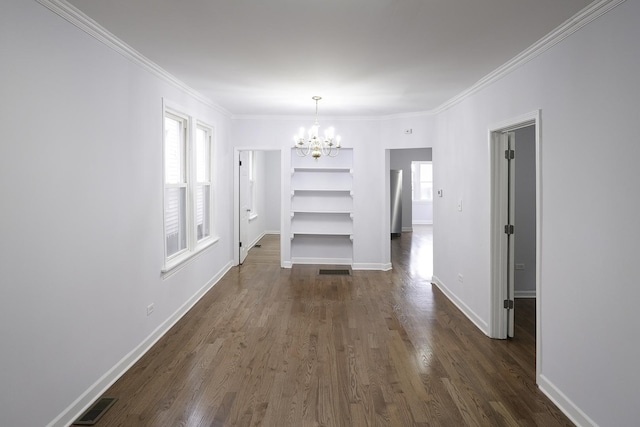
pixel 498 320
pixel 284 160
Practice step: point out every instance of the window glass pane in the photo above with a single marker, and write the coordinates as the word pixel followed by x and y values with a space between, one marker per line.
pixel 425 172
pixel 174 151
pixel 202 211
pixel 202 156
pixel 175 219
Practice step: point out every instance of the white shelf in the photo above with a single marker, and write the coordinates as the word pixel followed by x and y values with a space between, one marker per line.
pixel 322 169
pixel 303 211
pixel 322 207
pixel 319 190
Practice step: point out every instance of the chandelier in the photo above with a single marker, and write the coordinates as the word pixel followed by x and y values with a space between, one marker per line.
pixel 314 145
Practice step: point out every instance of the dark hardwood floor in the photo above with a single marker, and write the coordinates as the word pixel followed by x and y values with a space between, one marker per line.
pixel 276 347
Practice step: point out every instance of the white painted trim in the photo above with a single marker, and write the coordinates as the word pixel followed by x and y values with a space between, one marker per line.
pixel 256 240
pixel 498 288
pixel 422 222
pixel 371 266
pixel 524 294
pixel 187 258
pixel 464 308
pixel 321 261
pixel 83 402
pixel 276 232
pixel 76 17
pixel 570 26
pixel 570 409
pixel 407 229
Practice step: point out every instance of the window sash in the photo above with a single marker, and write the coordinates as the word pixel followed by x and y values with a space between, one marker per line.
pixel 188 194
pixel 175 220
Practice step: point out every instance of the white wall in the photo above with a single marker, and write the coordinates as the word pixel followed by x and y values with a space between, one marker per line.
pixel 267 199
pixel 82 240
pixel 369 172
pixel 80 170
pixel 525 211
pixel 412 212
pixel 272 192
pixel 587 90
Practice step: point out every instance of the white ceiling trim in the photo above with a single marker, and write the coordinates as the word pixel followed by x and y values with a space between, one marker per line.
pixel 91 27
pixel 588 14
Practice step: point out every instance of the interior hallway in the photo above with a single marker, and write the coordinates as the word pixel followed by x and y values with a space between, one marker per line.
pixel 276 347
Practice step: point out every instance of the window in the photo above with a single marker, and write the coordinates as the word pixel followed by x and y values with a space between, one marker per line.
pixel 187 187
pixel 203 183
pixel 175 184
pixel 421 181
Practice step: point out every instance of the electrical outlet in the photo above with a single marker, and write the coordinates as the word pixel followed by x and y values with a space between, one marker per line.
pixel 150 309
pixel 460 278
pixel 519 266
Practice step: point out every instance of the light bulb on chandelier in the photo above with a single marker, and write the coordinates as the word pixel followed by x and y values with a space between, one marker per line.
pixel 313 145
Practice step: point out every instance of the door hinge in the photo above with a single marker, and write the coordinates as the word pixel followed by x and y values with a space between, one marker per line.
pixel 240 244
pixel 240 162
pixel 508 304
pixel 509 154
pixel 508 229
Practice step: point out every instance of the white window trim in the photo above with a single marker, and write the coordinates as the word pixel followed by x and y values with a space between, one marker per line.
pixel 179 260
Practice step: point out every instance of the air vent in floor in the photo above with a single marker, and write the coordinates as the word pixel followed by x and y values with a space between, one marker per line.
pixel 335 272
pixel 93 414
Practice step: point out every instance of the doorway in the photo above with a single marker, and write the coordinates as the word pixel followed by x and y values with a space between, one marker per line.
pixel 257 197
pixel 516 221
pixel 416 191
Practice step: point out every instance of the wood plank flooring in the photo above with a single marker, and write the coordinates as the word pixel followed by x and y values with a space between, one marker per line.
pixel 276 347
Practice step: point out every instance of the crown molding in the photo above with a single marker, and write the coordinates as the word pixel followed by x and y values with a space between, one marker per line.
pixel 74 16
pixel 570 26
pixel 86 24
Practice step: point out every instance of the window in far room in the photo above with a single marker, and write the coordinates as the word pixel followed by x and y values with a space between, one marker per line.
pixel 421 181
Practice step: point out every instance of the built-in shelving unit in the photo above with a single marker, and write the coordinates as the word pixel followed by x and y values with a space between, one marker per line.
pixel 322 209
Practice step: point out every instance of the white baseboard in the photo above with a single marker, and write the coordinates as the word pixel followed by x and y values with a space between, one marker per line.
pixel 256 240
pixel 464 308
pixel 86 399
pixel 322 261
pixel 423 222
pixel 570 409
pixel 407 229
pixel 272 232
pixel 371 266
pixel 524 294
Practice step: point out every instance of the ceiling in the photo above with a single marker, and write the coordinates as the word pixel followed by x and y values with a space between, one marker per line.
pixel 364 57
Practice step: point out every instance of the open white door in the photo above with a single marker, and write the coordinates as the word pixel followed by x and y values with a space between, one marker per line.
pixel 510 228
pixel 244 204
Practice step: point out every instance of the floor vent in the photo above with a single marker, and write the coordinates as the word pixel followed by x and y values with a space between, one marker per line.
pixel 93 414
pixel 257 246
pixel 335 272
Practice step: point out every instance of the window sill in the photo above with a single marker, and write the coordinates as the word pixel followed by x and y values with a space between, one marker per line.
pixel 176 264
pixel 253 216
